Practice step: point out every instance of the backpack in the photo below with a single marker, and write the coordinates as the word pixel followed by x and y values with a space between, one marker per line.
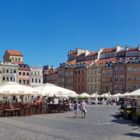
pixel 75 107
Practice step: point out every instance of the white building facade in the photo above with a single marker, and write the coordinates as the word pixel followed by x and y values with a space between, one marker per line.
pixel 36 76
pixel 9 72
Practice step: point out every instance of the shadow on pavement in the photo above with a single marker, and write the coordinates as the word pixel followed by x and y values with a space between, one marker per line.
pixel 120 120
pixel 126 122
pixel 73 117
pixel 133 135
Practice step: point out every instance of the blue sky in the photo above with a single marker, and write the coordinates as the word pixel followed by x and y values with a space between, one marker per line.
pixel 45 30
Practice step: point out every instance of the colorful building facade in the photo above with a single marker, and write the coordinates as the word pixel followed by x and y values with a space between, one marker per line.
pixel 93 79
pixel 36 76
pixel 23 74
pixel 132 76
pixel 119 78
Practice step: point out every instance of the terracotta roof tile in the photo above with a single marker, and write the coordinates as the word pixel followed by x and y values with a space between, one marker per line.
pixel 88 62
pixel 71 62
pixel 92 54
pixel 103 61
pixel 14 52
pixel 132 49
pixel 107 50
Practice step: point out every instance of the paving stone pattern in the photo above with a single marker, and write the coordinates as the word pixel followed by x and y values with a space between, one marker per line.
pixel 100 124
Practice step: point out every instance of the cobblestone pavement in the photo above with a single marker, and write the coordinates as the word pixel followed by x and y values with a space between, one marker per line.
pixel 98 125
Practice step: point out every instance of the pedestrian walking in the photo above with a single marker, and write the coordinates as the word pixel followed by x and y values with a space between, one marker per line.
pixel 83 106
pixel 75 108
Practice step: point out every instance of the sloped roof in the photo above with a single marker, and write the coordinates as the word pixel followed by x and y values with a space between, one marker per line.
pixel 132 49
pixel 107 50
pixel 14 52
pixel 92 54
pixel 103 61
pixel 71 62
pixel 88 62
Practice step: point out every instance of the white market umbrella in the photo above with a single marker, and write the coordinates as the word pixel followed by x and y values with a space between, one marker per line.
pixel 126 94
pixel 13 88
pixel 73 95
pixel 94 95
pixel 106 95
pixel 134 94
pixel 118 95
pixel 51 90
pixel 84 95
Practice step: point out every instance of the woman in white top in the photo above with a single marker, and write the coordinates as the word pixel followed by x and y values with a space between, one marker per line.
pixel 83 106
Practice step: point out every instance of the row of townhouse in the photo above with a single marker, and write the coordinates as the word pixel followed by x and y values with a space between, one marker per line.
pixel 108 70
pixel 13 69
pixel 113 77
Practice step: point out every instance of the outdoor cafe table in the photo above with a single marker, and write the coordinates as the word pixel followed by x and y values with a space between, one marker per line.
pixel 12 112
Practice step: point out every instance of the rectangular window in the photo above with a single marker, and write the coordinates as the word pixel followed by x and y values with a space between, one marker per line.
pixel 3 78
pixel 24 82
